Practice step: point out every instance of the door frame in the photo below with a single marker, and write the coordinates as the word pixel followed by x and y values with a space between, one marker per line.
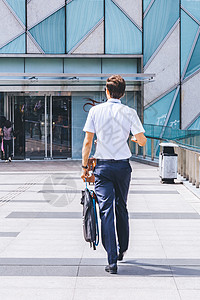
pixel 9 108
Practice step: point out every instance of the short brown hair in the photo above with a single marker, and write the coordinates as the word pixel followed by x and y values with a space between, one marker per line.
pixel 116 86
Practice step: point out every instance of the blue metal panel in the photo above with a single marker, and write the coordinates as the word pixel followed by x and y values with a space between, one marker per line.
pixel 93 65
pixel 156 113
pixel 19 8
pixel 188 32
pixel 82 65
pixel 157 23
pixel 50 33
pixel 194 64
pixel 119 65
pixel 11 64
pixel 44 65
pixel 193 6
pixel 121 35
pixel 16 46
pixel 82 16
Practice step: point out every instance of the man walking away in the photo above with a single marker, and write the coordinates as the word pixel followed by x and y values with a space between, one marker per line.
pixel 112 122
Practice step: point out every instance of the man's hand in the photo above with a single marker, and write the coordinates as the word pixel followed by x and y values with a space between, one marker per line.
pixel 140 138
pixel 84 174
pixel 87 146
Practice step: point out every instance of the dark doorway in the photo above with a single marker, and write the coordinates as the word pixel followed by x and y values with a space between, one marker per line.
pixel 42 126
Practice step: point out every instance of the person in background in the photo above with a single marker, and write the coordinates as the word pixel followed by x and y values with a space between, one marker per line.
pixel 7 140
pixel 2 121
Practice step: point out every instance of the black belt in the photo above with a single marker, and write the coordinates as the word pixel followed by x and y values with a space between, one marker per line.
pixel 113 160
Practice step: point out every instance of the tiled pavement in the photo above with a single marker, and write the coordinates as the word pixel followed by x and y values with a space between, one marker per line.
pixel 43 255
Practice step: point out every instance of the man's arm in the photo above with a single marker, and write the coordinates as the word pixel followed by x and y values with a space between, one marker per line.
pixel 87 146
pixel 140 139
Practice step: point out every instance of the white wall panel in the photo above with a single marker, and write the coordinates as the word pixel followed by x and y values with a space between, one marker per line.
pixel 190 100
pixel 9 26
pixel 133 8
pixel 38 10
pixel 94 44
pixel 166 67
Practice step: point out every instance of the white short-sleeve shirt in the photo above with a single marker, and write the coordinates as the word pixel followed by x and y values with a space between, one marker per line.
pixel 112 122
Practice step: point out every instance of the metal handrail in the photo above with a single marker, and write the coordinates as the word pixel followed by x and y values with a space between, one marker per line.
pixel 187 138
pixel 188 154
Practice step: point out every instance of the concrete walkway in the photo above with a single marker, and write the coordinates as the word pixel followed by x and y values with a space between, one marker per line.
pixel 43 255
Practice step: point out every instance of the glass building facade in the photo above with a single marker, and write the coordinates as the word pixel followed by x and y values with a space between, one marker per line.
pixel 55 56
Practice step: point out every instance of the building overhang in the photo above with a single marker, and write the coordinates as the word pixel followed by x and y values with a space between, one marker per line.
pixel 67 82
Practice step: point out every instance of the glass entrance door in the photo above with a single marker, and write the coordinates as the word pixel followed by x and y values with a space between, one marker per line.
pixel 34 127
pixel 42 126
pixel 61 127
pixel 18 120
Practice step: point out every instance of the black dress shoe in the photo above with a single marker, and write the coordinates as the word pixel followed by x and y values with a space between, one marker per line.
pixel 120 256
pixel 112 269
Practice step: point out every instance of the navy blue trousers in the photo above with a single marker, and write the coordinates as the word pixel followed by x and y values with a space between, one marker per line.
pixel 112 180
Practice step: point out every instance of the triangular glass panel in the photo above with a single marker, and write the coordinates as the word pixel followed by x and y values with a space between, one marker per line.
pixel 121 35
pixel 195 125
pixel 188 32
pixel 16 46
pixel 19 8
pixel 174 120
pixel 194 64
pixel 82 16
pixel 193 7
pixel 156 113
pixel 157 23
pixel 50 33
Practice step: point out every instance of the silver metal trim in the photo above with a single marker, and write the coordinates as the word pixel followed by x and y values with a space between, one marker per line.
pixel 58 88
pixel 61 82
pixel 66 75
pixel 86 36
pixel 190 54
pixel 50 128
pixel 162 43
pixel 45 124
pixel 10 112
pixel 148 7
pixel 161 96
pixel 13 120
pixel 14 14
pixel 190 15
pixel 37 55
pixel 68 1
pixel 127 15
pixel 8 107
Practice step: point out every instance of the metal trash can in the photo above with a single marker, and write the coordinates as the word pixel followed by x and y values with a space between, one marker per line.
pixel 168 161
